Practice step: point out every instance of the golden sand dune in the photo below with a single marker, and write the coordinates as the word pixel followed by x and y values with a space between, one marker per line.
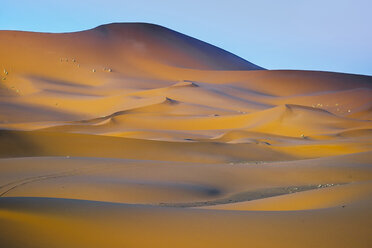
pixel 134 135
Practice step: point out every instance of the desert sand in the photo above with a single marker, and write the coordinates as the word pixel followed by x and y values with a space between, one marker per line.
pixel 134 135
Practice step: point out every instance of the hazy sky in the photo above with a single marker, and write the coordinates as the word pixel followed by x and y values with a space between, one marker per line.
pixel 330 35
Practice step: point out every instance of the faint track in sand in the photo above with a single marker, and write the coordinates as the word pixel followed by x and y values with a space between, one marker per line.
pixel 12 185
pixel 249 196
pixel 6 188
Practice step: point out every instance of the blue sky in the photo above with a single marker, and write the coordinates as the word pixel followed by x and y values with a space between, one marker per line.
pixel 328 35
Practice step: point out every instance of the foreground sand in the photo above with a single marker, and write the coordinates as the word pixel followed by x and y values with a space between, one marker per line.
pixel 132 135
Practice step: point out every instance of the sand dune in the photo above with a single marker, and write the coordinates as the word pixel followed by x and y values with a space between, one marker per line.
pixel 136 135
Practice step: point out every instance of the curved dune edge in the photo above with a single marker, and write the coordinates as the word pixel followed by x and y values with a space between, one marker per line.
pixel 339 196
pixel 230 202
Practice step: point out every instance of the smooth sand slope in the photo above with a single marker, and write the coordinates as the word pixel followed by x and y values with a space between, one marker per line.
pixel 134 135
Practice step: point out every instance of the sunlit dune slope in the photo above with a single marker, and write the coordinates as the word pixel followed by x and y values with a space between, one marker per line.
pixel 135 135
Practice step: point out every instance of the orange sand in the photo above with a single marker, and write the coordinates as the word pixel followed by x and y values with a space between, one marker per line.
pixel 133 135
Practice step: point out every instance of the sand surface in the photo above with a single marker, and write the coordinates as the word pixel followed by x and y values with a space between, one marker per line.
pixel 133 135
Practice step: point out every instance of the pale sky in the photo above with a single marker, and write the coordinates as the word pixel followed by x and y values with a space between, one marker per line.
pixel 328 35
